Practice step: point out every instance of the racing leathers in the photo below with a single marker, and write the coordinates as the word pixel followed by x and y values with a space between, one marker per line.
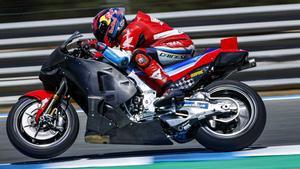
pixel 150 44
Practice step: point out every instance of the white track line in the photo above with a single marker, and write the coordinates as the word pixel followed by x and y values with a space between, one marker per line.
pixel 3 116
pixel 277 98
pixel 130 161
pixel 113 162
pixel 271 151
pixel 188 156
pixel 272 82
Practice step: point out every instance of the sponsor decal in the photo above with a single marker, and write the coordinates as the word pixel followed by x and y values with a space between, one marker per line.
pixel 104 19
pixel 188 104
pixel 112 25
pixel 121 24
pixel 107 17
pixel 174 43
pixel 141 61
pixel 197 73
pixel 203 105
pixel 127 42
pixel 157 75
pixel 109 14
pixel 44 101
pixel 170 55
pixel 155 20
pixel 167 58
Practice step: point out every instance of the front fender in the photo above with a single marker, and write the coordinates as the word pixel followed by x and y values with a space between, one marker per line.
pixel 43 96
pixel 39 94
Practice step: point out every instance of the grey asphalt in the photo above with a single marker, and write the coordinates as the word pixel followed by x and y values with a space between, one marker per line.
pixel 282 128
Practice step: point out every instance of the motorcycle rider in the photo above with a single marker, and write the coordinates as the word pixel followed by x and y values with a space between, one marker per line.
pixel 146 42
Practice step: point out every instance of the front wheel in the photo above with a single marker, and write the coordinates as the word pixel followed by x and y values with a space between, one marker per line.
pixel 244 129
pixel 41 141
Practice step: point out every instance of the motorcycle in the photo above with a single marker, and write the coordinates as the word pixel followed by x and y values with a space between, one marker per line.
pixel 222 115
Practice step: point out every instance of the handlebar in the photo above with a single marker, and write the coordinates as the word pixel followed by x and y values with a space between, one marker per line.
pixel 84 51
pixel 75 35
pixel 81 51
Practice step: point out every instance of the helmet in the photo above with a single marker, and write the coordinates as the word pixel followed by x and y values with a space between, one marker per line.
pixel 108 24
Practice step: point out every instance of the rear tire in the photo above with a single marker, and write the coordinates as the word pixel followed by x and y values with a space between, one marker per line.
pixel 40 149
pixel 216 140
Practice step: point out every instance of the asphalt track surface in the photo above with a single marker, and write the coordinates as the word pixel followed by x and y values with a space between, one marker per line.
pixel 282 128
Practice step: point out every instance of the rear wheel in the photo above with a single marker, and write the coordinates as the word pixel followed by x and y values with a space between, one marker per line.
pixel 244 129
pixel 41 141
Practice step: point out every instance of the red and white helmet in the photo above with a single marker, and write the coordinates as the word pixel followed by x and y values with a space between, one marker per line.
pixel 108 25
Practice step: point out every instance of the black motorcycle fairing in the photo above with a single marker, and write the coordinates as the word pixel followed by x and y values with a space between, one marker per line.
pixel 55 58
pixel 50 71
pixel 228 61
pixel 114 123
pixel 89 79
pixel 97 122
pixel 94 85
pixel 96 78
pixel 147 133
pixel 116 115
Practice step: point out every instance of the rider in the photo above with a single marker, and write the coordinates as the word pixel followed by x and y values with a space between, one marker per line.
pixel 147 41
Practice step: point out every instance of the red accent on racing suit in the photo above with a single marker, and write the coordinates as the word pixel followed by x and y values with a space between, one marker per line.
pixel 145 35
pixel 145 31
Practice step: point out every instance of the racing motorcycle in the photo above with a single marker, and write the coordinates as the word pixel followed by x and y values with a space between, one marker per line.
pixel 222 115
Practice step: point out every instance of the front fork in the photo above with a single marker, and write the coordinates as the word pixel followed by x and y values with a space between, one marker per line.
pixel 47 108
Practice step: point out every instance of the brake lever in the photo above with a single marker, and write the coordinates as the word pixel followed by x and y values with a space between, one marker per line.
pixel 76 53
pixel 87 53
pixel 73 45
pixel 75 35
pixel 85 48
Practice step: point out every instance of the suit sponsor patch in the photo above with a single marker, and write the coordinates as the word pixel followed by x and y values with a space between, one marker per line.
pixel 168 58
pixel 197 73
pixel 157 75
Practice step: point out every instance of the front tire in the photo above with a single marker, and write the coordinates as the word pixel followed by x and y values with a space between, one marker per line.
pixel 47 144
pixel 245 132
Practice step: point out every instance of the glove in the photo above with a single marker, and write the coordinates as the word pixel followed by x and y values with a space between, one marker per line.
pixel 97 55
pixel 88 42
pixel 100 47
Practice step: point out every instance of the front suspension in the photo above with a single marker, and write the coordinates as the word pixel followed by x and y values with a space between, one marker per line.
pixel 48 106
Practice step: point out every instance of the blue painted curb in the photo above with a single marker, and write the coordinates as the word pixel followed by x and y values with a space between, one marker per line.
pixel 195 157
